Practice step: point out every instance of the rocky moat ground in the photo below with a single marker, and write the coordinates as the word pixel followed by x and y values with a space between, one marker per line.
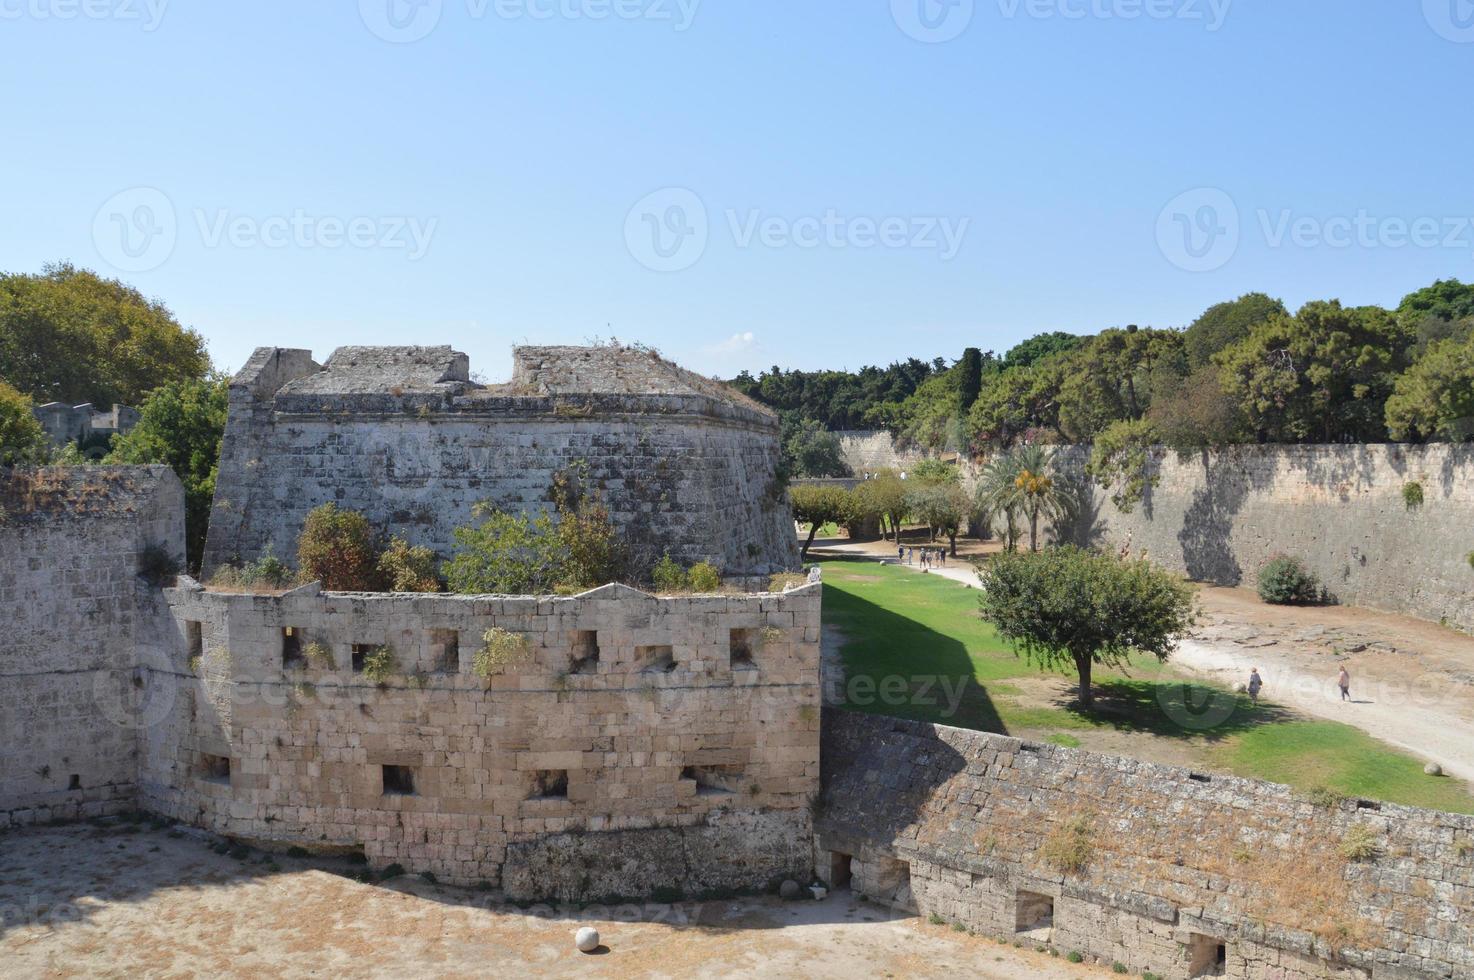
pixel 129 900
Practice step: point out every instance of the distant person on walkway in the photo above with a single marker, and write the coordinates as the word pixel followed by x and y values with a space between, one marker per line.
pixel 1256 684
pixel 900 554
pixel 1344 683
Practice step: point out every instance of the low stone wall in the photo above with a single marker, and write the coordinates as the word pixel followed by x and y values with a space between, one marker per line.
pixel 72 543
pixel 1158 869
pixel 634 744
pixel 1220 516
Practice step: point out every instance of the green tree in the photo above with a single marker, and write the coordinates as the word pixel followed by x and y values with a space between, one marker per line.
pixel 817 506
pixel 180 425
pixel 1066 607
pixel 1197 414
pixel 970 380
pixel 1019 403
pixel 69 335
pixel 22 440
pixel 1434 399
pixel 816 452
pixel 884 495
pixel 1039 348
pixel 1323 374
pixel 338 548
pixel 514 554
pixel 1120 461
pixel 1226 324
pixel 942 505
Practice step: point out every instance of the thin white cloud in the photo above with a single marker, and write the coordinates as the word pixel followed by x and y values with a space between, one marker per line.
pixel 735 343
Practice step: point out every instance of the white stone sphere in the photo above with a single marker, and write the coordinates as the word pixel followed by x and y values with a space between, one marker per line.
pixel 1433 769
pixel 586 939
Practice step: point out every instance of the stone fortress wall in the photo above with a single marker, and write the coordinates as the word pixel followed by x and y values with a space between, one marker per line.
pixel 72 544
pixel 684 464
pixel 1173 872
pixel 1220 516
pixel 636 744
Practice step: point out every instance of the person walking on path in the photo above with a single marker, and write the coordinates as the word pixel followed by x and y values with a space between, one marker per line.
pixel 900 554
pixel 1344 683
pixel 1256 684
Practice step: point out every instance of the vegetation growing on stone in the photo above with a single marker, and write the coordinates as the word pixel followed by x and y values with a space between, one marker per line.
pixel 500 649
pixel 379 664
pixel 1412 494
pixel 336 548
pixel 407 568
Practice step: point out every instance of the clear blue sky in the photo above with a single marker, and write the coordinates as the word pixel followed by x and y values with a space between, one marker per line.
pixel 521 144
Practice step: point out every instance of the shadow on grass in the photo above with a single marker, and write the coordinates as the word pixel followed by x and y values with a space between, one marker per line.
pixel 902 668
pixel 1174 709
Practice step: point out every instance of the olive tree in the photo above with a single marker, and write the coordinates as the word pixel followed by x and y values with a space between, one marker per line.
pixel 1067 607
pixel 816 506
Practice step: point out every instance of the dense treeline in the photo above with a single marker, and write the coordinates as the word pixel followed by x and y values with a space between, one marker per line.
pixel 1248 370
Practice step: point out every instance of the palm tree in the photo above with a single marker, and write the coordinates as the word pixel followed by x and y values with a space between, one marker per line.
pixel 1040 495
pixel 998 494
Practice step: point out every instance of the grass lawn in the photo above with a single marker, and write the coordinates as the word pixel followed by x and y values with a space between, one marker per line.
pixel 916 647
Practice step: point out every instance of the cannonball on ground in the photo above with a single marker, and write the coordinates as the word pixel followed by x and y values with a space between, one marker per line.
pixel 586 939
pixel 788 890
pixel 1433 769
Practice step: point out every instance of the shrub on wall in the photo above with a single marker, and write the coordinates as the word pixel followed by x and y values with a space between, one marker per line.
pixel 668 576
pixel 500 649
pixel 337 549
pixel 1285 581
pixel 704 577
pixel 266 572
pixel 513 554
pixel 379 665
pixel 1412 494
pixel 408 569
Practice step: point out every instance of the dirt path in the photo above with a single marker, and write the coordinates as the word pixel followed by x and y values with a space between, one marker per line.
pixel 1412 682
pixel 98 902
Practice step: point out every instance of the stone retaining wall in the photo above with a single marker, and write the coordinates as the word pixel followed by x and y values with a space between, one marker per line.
pixel 1158 869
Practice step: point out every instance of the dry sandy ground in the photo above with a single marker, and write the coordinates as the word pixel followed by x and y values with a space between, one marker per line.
pixel 88 901
pixel 1412 681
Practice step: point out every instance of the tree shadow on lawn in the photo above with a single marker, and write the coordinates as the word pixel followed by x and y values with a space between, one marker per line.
pixel 898 667
pixel 1175 709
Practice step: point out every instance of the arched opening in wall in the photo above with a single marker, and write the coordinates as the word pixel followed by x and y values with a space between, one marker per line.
pixel 214 769
pixel 75 783
pixel 840 869
pixel 656 659
pixel 291 648
pixel 1206 957
pixel 445 649
pixel 550 784
pixel 1034 916
pixel 194 641
pixel 585 657
pixel 741 646
pixel 713 780
pixel 399 781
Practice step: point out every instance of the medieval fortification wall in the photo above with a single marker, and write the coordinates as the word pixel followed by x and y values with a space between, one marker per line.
pixel 684 464
pixel 1155 868
pixel 72 547
pixel 1341 509
pixel 628 744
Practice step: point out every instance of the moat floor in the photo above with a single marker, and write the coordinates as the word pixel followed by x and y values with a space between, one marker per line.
pixel 129 901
